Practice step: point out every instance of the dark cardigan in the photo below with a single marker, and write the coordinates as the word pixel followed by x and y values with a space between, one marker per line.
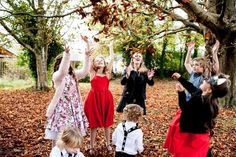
pixel 134 89
pixel 197 112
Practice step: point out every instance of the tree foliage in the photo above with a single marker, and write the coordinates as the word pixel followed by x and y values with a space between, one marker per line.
pixel 210 18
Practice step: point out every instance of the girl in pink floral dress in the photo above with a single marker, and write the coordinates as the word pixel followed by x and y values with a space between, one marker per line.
pixel 65 109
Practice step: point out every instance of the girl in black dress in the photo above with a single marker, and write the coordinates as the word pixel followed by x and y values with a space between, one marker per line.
pixel 134 79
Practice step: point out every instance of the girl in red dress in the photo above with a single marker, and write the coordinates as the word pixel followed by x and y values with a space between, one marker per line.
pixel 189 133
pixel 99 103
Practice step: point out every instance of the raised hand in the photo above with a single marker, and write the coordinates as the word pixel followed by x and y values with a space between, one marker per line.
pixel 150 74
pixel 176 76
pixel 190 46
pixel 110 45
pixel 179 87
pixel 67 49
pixel 85 39
pixel 128 70
pixel 89 51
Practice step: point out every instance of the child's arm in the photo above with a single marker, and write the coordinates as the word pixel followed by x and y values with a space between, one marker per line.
pixel 124 78
pixel 188 57
pixel 215 49
pixel 63 68
pixel 110 63
pixel 140 143
pixel 85 69
pixel 187 85
pixel 181 95
pixel 150 75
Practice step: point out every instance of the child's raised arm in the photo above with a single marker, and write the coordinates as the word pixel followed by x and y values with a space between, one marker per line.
pixel 215 49
pixel 85 69
pixel 188 57
pixel 112 55
pixel 63 68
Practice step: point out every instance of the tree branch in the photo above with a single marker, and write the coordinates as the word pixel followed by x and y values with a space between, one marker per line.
pixel 208 19
pixel 176 31
pixel 38 15
pixel 222 13
pixel 174 16
pixel 16 37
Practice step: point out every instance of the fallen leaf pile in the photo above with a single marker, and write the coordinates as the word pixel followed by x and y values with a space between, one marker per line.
pixel 22 121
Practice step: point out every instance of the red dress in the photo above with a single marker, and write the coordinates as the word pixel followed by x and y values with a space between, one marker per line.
pixel 99 104
pixel 181 144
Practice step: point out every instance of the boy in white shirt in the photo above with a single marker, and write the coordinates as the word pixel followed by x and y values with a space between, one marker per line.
pixel 128 137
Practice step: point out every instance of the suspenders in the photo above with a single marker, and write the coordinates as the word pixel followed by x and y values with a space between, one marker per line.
pixel 70 155
pixel 127 132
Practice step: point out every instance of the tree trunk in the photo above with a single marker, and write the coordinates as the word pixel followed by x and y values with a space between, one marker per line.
pixel 228 62
pixel 162 60
pixel 41 83
pixel 181 60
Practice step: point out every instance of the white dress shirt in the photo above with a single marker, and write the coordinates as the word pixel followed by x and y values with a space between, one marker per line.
pixel 134 140
pixel 56 152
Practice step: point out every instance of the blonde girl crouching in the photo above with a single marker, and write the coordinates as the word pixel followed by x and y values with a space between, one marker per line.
pixel 68 144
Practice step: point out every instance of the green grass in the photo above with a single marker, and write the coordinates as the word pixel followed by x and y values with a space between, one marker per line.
pixel 15 84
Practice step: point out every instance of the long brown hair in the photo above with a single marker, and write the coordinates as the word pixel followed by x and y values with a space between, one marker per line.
pixel 57 63
pixel 218 91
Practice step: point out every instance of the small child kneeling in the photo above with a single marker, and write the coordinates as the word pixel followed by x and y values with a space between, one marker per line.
pixel 128 137
pixel 68 144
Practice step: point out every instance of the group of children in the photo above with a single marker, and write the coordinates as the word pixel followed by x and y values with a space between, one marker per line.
pixel 68 121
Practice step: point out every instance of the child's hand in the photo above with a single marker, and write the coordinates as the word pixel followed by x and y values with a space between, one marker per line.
pixel 176 76
pixel 85 38
pixel 150 74
pixel 179 87
pixel 128 70
pixel 89 51
pixel 67 49
pixel 190 46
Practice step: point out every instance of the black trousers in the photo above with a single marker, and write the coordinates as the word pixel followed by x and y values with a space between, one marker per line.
pixel 122 154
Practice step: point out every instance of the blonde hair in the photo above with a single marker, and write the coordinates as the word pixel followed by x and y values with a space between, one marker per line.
pixel 70 137
pixel 132 112
pixel 94 66
pixel 201 61
pixel 142 68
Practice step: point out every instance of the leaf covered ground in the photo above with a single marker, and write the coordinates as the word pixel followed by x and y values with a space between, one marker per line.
pixel 22 119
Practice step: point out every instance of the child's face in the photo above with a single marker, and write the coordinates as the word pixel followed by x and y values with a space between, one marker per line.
pixel 205 87
pixel 71 150
pixel 99 62
pixel 137 58
pixel 197 68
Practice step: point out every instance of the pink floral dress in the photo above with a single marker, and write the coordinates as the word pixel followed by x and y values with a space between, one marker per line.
pixel 68 111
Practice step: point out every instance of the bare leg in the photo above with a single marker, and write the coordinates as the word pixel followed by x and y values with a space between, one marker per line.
pixel 107 136
pixel 92 139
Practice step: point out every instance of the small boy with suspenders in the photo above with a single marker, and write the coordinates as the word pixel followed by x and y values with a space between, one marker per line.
pixel 128 137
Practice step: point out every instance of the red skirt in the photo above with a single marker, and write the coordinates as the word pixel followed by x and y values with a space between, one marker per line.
pixel 181 144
